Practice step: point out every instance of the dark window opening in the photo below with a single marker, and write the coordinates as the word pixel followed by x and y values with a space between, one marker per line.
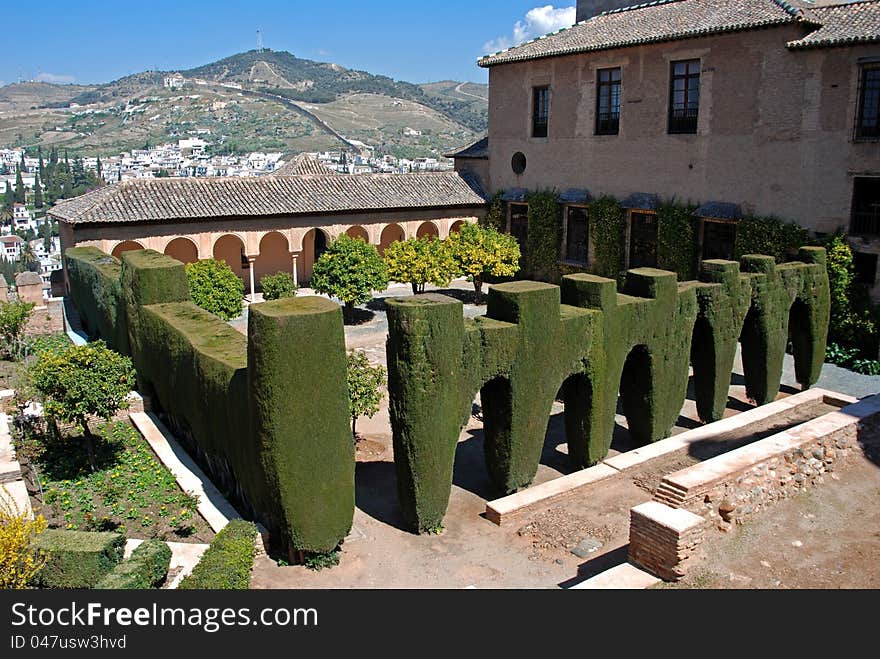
pixel 540 111
pixel 643 240
pixel 866 207
pixel 868 123
pixel 719 239
pixel 684 96
pixel 577 235
pixel 608 102
pixel 866 268
pixel 519 227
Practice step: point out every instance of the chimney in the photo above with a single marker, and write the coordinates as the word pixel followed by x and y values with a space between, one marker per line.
pixel 589 8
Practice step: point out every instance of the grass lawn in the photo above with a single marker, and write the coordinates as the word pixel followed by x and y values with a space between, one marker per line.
pixel 130 491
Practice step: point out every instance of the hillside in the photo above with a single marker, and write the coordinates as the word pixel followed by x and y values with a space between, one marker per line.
pixel 285 104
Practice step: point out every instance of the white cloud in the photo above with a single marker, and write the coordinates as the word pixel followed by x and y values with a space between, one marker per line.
pixel 538 21
pixel 54 78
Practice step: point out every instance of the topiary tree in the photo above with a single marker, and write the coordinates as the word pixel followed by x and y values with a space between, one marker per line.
pixel 215 287
pixel 419 261
pixel 14 317
pixel 482 252
pixel 81 382
pixel 364 387
pixel 350 270
pixel 278 286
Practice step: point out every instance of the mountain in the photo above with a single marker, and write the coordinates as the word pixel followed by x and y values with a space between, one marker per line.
pixel 283 103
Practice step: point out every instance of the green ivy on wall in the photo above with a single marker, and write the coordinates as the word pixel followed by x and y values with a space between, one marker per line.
pixel 608 233
pixel 676 247
pixel 545 235
pixel 770 236
pixel 496 216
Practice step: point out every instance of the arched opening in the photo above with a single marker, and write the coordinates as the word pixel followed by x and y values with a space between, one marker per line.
pixel 274 256
pixel 314 244
pixel 428 230
pixel 456 226
pixel 358 232
pixel 183 249
pixel 390 234
pixel 636 394
pixel 704 363
pixel 126 246
pixel 230 249
pixel 496 399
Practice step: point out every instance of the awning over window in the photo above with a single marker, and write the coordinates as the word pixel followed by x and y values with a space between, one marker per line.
pixel 575 196
pixel 515 195
pixel 641 201
pixel 719 210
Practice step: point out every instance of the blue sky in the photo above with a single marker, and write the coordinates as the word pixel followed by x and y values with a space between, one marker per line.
pixel 99 41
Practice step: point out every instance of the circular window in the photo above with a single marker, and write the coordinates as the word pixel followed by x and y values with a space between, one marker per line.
pixel 518 163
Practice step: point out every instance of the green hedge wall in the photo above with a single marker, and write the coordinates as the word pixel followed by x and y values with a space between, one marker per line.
pixel 545 236
pixel 146 568
pixel 227 563
pixel 676 243
pixel 250 408
pixel 96 291
pixel 770 236
pixel 77 559
pixel 608 233
pixel 587 341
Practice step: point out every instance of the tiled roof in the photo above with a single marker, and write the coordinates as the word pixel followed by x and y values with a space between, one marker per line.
pixel 479 149
pixel 643 201
pixel 664 20
pixel 719 210
pixel 576 196
pixel 154 200
pixel 515 195
pixel 303 164
pixel 857 22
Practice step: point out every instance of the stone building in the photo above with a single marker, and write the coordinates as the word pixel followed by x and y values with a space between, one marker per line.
pixel 265 225
pixel 741 107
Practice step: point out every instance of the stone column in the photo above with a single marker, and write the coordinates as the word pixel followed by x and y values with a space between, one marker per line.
pixel 295 256
pixel 251 260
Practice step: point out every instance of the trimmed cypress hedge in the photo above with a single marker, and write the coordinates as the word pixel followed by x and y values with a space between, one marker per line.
pixel 96 291
pixel 639 342
pixel 146 568
pixel 227 563
pixel 77 559
pixel 246 405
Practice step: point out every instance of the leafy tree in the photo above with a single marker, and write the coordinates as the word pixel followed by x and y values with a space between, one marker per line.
pixel 9 198
pixel 350 270
pixel 19 561
pixel 420 261
pixel 215 288
pixel 38 192
pixel 81 382
pixel 20 195
pixel 482 252
pixel 6 215
pixel 14 317
pixel 364 388
pixel 277 286
pixel 26 256
pixel 853 323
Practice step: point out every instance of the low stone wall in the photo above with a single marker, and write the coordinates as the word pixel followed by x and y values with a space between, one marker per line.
pixel 663 540
pixel 729 488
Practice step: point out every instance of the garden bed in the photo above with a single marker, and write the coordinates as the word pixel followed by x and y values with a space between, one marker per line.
pixel 130 491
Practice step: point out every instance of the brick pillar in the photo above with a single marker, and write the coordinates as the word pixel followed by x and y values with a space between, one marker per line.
pixel 663 540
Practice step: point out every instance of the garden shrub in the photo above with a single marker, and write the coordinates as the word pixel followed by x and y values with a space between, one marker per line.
pixel 77 559
pixel 364 387
pixel 769 236
pixel 420 261
pixel 20 562
pixel 146 568
pixel 496 216
pixel 14 317
pixel 853 318
pixel 227 563
pixel 608 233
pixel 483 252
pixel 277 286
pixel 215 288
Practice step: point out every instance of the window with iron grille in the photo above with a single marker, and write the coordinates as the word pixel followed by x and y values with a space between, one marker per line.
pixel 684 96
pixel 577 235
pixel 866 206
pixel 608 101
pixel 868 122
pixel 540 111
pixel 719 239
pixel 519 228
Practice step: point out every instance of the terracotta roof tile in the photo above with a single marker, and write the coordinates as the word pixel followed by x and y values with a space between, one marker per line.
pixel 153 200
pixel 857 22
